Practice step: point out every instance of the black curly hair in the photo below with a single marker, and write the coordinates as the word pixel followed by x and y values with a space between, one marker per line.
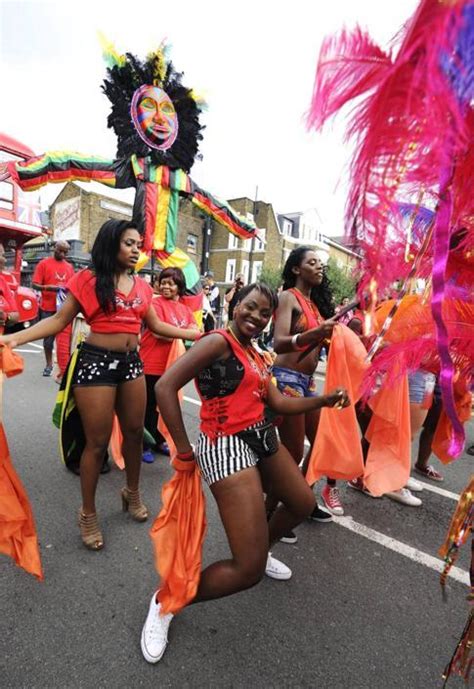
pixel 119 86
pixel 321 294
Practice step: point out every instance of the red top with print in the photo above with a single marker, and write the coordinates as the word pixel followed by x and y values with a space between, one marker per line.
pixel 49 271
pixel 238 399
pixel 154 351
pixel 130 308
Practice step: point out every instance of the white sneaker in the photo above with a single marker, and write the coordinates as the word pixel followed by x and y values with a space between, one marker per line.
pixel 155 632
pixel 414 485
pixel 405 497
pixel 276 569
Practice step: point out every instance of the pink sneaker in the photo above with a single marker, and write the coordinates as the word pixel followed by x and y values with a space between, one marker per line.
pixel 330 496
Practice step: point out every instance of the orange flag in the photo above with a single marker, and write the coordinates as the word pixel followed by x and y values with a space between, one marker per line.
pixel 177 349
pixel 115 444
pixel 337 450
pixel 177 535
pixel 444 429
pixel 389 434
pixel 17 527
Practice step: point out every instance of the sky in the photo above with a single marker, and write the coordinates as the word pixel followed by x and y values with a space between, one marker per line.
pixel 254 60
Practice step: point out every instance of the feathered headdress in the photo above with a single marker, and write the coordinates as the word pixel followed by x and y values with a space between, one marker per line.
pixel 125 74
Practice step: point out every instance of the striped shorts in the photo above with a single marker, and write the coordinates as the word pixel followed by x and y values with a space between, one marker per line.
pixel 223 457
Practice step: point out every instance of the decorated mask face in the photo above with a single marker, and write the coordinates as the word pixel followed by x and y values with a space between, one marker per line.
pixel 154 117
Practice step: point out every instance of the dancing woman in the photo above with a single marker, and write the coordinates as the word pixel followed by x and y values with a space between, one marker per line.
pixel 299 322
pixel 108 376
pixel 238 453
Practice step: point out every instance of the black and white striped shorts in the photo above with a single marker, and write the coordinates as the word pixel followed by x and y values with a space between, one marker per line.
pixel 225 456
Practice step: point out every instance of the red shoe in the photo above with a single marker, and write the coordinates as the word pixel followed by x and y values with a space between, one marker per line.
pixel 429 472
pixel 330 496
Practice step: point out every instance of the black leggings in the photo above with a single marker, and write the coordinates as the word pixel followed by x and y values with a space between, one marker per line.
pixel 151 415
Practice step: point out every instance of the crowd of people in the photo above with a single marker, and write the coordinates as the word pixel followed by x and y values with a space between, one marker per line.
pixel 259 411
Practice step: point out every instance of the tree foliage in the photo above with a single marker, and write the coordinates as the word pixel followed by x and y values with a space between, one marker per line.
pixel 271 277
pixel 342 284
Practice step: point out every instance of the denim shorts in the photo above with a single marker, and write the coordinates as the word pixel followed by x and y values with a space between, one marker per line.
pixel 293 384
pixel 421 385
pixel 99 366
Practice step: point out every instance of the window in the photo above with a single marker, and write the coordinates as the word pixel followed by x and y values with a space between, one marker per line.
pixel 287 228
pixel 192 243
pixel 245 270
pixel 233 241
pixel 260 240
pixel 248 244
pixel 230 270
pixel 6 195
pixel 256 270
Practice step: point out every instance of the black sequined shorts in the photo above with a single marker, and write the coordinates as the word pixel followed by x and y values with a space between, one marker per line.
pixel 99 366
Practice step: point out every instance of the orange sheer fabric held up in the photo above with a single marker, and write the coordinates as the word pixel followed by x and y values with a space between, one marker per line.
pixel 337 450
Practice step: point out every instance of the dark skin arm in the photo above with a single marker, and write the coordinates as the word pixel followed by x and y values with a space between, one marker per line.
pixel 45 288
pixel 201 355
pixel 166 330
pixel 287 304
pixel 49 326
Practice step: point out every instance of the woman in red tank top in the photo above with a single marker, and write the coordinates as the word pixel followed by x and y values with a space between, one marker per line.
pixel 108 377
pixel 238 453
pixel 303 305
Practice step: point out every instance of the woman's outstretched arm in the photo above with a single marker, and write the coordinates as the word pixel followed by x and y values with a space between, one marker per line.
pixel 288 406
pixel 163 329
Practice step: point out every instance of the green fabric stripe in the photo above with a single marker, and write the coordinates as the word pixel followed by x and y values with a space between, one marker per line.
pixel 59 157
pixel 172 222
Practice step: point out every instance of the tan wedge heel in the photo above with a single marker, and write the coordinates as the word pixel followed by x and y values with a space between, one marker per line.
pixel 90 532
pixel 131 503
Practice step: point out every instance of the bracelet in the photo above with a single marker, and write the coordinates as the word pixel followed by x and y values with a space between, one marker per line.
pixel 185 455
pixel 294 342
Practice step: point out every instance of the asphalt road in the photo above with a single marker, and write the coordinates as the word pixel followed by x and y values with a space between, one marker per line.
pixel 358 613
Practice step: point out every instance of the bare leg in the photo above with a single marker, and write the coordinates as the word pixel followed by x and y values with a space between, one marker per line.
pixel 290 488
pixel 48 355
pixel 240 501
pixel 427 434
pixel 130 407
pixel 96 407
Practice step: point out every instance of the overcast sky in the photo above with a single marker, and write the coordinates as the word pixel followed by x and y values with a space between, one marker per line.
pixel 254 60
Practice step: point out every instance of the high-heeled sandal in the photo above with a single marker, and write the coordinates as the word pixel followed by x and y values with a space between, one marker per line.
pixel 90 532
pixel 132 504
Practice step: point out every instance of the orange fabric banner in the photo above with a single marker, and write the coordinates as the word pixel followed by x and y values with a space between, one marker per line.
pixel 18 537
pixel 177 535
pixel 337 451
pixel 177 350
pixel 115 444
pixel 443 433
pixel 389 434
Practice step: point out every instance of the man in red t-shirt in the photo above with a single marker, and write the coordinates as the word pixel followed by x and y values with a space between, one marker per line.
pixel 51 274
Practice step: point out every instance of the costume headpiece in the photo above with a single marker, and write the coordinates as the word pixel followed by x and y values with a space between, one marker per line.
pixel 138 90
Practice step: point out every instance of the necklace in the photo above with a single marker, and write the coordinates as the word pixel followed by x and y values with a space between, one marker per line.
pixel 256 361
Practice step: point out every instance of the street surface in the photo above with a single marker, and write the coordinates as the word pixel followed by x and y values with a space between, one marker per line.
pixel 362 610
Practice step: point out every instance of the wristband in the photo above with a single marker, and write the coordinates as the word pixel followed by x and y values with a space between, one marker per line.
pixel 294 342
pixel 185 455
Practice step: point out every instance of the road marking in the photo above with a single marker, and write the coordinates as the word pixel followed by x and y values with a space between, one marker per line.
pixel 440 491
pixel 33 344
pixel 418 556
pixel 191 400
pixel 27 351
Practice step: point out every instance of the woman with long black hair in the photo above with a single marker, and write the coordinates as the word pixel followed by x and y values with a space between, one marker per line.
pixel 304 303
pixel 108 375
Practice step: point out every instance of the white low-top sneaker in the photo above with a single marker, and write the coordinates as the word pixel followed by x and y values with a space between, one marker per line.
pixel 414 485
pixel 405 497
pixel 155 632
pixel 276 569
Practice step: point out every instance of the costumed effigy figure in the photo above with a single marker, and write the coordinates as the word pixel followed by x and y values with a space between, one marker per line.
pixel 414 130
pixel 156 120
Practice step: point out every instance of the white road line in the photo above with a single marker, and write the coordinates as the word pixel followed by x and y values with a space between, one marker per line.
pixel 440 491
pixel 33 344
pixel 27 351
pixel 418 556
pixel 192 401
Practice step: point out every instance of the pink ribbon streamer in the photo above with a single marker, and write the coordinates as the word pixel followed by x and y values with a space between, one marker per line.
pixel 441 239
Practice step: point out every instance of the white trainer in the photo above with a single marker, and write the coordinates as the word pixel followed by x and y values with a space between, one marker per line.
pixel 155 632
pixel 414 485
pixel 276 569
pixel 405 497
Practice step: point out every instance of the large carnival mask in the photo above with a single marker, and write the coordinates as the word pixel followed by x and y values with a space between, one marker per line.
pixel 154 117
